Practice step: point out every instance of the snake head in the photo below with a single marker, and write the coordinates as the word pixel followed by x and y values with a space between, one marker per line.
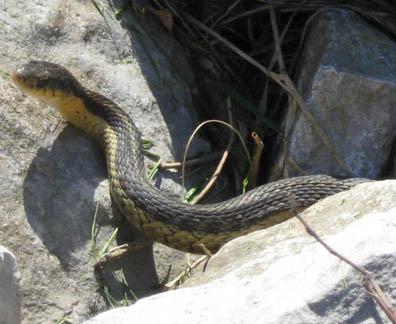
pixel 45 81
pixel 57 87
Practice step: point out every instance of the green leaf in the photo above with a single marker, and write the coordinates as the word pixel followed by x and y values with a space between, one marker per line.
pixel 154 170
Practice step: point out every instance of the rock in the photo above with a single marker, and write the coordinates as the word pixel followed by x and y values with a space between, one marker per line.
pixel 281 275
pixel 54 176
pixel 10 288
pixel 347 78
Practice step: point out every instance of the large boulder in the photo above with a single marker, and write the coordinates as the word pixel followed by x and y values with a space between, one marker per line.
pixel 281 275
pixel 347 78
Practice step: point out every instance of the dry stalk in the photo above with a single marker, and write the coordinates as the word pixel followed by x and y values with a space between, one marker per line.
pixel 192 162
pixel 254 168
pixel 198 128
pixel 223 159
pixel 369 282
pixel 174 282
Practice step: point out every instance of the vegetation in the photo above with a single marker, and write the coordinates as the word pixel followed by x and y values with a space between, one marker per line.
pixel 249 51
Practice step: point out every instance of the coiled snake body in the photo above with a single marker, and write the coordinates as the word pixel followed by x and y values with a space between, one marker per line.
pixel 165 220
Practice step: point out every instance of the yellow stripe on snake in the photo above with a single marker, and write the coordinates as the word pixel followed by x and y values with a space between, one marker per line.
pixel 163 219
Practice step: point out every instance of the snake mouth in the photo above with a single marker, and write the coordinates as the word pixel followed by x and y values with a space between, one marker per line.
pixel 26 84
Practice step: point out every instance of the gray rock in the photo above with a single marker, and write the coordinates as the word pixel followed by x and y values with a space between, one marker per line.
pixel 10 288
pixel 347 78
pixel 281 275
pixel 53 176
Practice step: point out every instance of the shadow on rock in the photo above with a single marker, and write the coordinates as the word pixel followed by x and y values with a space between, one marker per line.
pixel 60 195
pixel 341 300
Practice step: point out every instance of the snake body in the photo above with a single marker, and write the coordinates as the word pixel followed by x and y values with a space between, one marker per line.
pixel 161 218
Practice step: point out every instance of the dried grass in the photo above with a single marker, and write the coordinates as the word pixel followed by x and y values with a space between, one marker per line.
pixel 254 47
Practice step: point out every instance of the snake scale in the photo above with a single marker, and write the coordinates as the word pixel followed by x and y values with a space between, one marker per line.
pixel 161 218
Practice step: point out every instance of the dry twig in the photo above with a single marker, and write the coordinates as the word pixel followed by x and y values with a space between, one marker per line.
pixel 222 161
pixel 192 162
pixel 198 128
pixel 369 282
pixel 174 282
pixel 254 169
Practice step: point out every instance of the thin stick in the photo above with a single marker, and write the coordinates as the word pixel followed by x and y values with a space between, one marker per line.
pixel 256 161
pixel 221 163
pixel 216 173
pixel 198 128
pixel 174 282
pixel 200 160
pixel 368 282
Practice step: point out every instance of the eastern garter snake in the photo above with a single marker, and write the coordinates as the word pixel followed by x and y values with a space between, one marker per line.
pixel 159 217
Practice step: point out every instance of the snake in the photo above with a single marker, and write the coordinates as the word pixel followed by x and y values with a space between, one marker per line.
pixel 199 229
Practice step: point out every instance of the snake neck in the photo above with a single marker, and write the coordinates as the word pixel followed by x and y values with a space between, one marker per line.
pixel 123 148
pixel 121 142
